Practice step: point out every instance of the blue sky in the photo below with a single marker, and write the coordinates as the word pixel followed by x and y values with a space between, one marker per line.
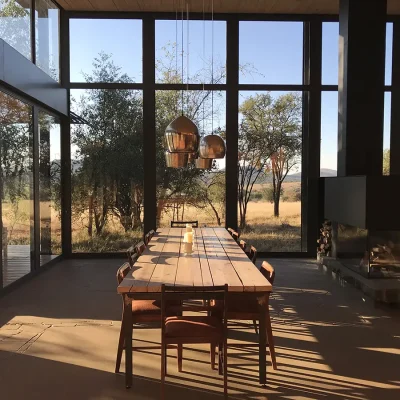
pixel 270 52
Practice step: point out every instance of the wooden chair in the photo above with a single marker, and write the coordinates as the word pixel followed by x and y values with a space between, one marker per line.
pixel 253 254
pixel 152 233
pixel 182 224
pixel 243 245
pixel 143 311
pixel 236 236
pixel 237 309
pixel 182 330
pixel 230 230
pixel 140 247
pixel 149 235
pixel 132 255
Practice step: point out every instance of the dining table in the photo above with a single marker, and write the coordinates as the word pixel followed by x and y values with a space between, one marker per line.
pixel 216 260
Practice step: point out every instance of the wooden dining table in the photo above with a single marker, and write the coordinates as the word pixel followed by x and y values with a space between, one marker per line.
pixel 216 260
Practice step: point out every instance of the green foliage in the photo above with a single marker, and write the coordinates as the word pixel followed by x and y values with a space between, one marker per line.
pixel 268 193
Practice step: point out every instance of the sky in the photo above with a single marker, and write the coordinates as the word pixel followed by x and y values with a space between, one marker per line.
pixel 269 52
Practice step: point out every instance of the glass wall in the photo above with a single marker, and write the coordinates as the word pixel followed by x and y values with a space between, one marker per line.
pixel 330 53
pixel 271 52
pixel 49 186
pixel 16 136
pixel 47 28
pixel 116 42
pixel 269 163
pixel 329 134
pixel 190 194
pixel 107 169
pixel 15 27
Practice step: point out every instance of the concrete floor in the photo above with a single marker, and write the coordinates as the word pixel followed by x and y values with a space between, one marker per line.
pixel 59 332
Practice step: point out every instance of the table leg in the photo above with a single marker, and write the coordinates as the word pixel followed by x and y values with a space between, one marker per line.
pixel 128 340
pixel 262 352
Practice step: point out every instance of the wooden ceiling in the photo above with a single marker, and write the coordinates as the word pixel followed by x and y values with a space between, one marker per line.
pixel 220 6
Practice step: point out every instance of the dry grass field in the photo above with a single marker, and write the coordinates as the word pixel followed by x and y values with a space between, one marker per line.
pixel 264 231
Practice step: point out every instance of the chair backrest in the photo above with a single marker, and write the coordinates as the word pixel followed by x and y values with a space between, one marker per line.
pixel 140 247
pixel 152 233
pixel 131 253
pixel 182 224
pixel 173 297
pixel 230 230
pixel 268 271
pixel 253 254
pixel 243 245
pixel 122 272
pixel 147 238
pixel 236 236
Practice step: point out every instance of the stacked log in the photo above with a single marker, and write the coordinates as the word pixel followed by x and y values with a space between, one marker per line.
pixel 324 246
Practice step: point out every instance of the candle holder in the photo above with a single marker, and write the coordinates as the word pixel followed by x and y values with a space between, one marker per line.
pixel 187 249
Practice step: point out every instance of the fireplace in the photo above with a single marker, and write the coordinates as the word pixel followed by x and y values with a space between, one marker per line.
pixel 365 221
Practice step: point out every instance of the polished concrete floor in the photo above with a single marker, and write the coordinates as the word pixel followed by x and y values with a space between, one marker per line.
pixel 58 338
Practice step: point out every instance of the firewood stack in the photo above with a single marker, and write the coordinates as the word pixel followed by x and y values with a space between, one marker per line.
pixel 325 240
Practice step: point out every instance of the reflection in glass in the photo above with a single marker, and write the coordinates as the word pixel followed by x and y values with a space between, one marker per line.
pixel 107 170
pixel 269 163
pixel 15 25
pixel 49 187
pixel 47 37
pixel 386 133
pixel 190 194
pixel 329 134
pixel 271 52
pixel 330 53
pixel 16 187
pixel 169 52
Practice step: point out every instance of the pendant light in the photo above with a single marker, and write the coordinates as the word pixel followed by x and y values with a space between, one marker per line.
pixel 181 135
pixel 212 146
pixel 204 163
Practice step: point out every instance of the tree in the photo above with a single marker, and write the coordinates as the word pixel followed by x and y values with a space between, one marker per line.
pixel 109 165
pixel 386 162
pixel 267 126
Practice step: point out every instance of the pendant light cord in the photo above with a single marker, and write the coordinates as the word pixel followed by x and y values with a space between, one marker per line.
pixel 204 60
pixel 187 58
pixel 212 66
pixel 182 58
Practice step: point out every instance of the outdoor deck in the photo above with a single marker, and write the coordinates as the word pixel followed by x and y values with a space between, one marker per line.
pixel 18 263
pixel 58 341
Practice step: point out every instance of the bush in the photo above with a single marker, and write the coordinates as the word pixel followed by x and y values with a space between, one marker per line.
pixel 268 193
pixel 256 196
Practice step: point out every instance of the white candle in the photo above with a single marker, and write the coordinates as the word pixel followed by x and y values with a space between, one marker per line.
pixel 188 237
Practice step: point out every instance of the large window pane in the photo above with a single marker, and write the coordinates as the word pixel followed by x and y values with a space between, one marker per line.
pixel 269 181
pixel 190 194
pixel 389 53
pixel 329 134
pixel 15 25
pixel 107 170
pixel 49 186
pixel 330 53
pixel 16 188
pixel 47 37
pixel 386 134
pixel 94 41
pixel 271 52
pixel 169 52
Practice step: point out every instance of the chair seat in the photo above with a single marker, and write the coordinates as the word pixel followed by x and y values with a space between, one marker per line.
pixel 146 307
pixel 194 327
pixel 237 308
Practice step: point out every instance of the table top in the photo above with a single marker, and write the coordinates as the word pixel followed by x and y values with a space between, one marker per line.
pixel 216 260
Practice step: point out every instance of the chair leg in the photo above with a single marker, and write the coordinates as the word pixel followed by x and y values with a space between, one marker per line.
pixel 225 361
pixel 121 343
pixel 220 359
pixel 180 356
pixel 212 355
pixel 163 368
pixel 255 326
pixel 270 338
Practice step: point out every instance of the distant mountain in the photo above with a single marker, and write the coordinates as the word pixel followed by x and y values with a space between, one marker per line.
pixel 326 172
